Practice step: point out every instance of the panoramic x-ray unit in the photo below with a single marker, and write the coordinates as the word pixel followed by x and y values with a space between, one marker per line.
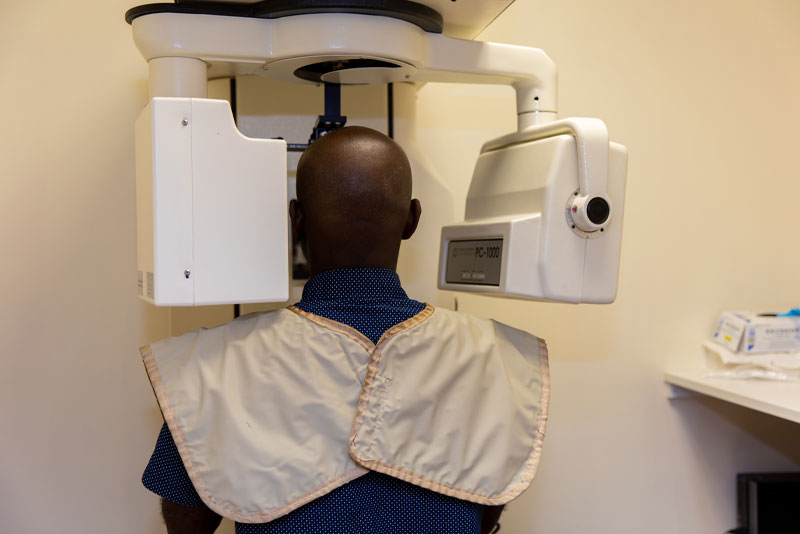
pixel 543 217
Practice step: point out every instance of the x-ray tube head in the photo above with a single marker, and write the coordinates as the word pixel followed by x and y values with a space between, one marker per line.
pixel 543 217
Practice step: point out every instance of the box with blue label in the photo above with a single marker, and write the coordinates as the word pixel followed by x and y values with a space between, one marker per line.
pixel 752 333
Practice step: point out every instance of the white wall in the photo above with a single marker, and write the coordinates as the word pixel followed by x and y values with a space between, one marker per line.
pixel 77 419
pixel 709 225
pixel 704 94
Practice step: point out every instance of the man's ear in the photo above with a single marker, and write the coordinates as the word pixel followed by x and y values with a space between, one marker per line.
pixel 414 213
pixel 298 222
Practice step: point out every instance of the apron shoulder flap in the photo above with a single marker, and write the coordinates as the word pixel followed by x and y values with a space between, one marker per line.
pixel 457 405
pixel 261 409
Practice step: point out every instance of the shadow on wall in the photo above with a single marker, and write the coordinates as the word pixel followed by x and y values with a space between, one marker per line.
pixel 778 439
pixel 776 433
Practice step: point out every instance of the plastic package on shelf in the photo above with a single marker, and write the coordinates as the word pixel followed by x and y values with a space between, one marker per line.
pixel 722 363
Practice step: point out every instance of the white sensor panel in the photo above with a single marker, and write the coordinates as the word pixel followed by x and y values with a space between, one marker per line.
pixel 211 206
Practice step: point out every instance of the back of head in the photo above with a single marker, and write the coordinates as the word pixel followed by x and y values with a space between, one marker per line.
pixel 354 189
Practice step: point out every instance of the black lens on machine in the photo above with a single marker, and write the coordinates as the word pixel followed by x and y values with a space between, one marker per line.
pixel 598 210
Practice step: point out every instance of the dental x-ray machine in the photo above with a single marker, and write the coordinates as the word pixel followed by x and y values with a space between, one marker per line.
pixel 543 216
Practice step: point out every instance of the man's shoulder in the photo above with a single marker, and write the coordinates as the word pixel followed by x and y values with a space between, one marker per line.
pixel 477 325
pixel 458 317
pixel 233 329
pixel 266 317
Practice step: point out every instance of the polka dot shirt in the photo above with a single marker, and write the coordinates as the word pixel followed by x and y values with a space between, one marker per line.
pixel 371 301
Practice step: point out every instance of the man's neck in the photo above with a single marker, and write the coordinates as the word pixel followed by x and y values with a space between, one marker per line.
pixel 320 267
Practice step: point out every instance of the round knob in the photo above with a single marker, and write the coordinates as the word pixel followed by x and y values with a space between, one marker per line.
pixel 590 214
pixel 598 210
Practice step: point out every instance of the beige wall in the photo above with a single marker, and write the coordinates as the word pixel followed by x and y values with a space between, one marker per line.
pixel 77 421
pixel 704 94
pixel 701 93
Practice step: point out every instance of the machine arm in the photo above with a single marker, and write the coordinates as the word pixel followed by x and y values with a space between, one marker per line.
pixel 184 50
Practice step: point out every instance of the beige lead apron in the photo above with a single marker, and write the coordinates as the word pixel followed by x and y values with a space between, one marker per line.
pixel 274 410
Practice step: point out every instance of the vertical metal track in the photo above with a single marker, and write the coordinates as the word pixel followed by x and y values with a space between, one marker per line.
pixel 237 311
pixel 390 110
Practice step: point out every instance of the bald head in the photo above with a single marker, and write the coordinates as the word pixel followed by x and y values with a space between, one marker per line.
pixel 354 201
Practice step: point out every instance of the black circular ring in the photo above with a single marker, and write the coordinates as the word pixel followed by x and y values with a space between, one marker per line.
pixel 315 72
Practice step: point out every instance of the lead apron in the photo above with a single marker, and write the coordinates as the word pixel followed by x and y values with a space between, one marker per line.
pixel 274 410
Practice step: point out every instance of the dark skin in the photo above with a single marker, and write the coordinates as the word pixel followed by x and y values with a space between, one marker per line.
pixel 354 203
pixel 353 209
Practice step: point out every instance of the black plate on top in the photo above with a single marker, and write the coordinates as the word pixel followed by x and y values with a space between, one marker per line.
pixel 426 18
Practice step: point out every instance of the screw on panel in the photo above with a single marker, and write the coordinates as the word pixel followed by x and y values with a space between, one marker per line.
pixel 185 122
pixel 187 273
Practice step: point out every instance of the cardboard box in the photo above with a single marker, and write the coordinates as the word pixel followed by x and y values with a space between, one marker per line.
pixel 751 333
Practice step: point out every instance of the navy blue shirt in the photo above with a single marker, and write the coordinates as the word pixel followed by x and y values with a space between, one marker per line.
pixel 371 301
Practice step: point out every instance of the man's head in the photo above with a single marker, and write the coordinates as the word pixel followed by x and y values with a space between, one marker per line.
pixel 354 201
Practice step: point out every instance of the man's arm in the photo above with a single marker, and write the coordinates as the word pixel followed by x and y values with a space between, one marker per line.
pixel 182 519
pixel 491 514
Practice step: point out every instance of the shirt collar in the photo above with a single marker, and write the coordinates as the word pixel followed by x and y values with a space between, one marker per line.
pixel 349 284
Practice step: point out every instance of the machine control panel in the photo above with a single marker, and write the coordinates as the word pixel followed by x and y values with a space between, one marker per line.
pixel 476 262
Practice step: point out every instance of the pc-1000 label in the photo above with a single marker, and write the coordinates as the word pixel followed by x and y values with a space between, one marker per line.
pixel 476 261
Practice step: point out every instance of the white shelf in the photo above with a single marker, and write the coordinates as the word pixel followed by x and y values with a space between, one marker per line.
pixel 781 399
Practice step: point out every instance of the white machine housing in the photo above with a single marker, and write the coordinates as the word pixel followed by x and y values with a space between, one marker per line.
pixel 213 205
pixel 522 235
